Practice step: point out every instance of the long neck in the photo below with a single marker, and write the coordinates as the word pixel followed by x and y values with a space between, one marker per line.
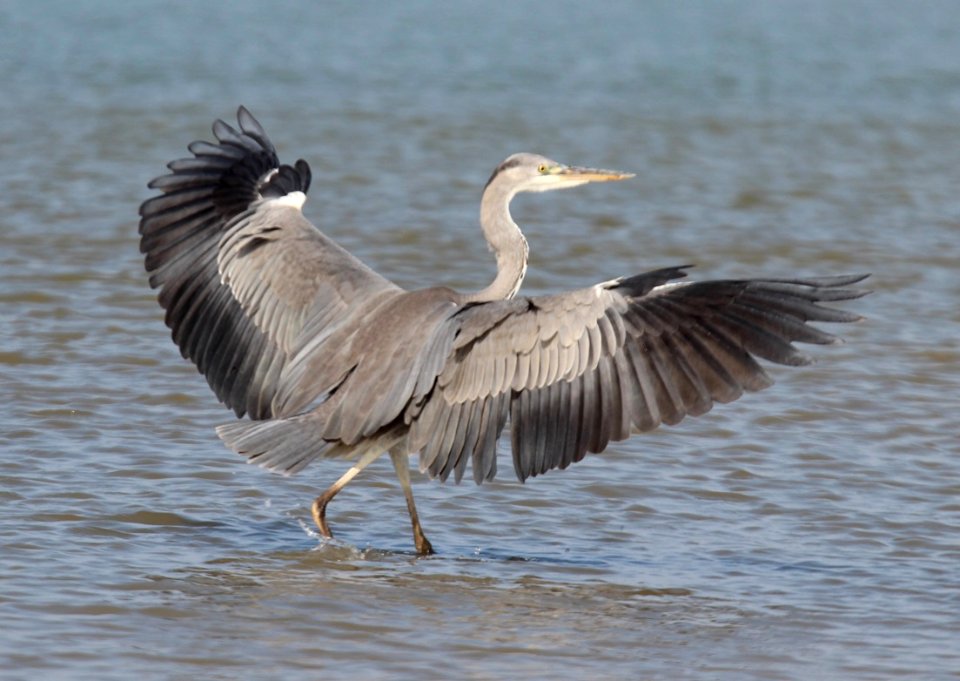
pixel 505 240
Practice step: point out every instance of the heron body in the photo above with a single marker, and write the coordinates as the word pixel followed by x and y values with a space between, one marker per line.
pixel 328 359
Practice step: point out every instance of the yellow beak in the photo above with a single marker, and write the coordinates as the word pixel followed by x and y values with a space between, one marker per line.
pixel 592 174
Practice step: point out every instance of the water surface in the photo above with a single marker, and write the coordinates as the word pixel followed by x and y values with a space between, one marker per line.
pixel 812 531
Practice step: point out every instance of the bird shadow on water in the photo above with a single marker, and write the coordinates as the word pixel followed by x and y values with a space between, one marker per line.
pixel 338 564
pixel 450 548
pixel 285 545
pixel 336 570
pixel 373 603
pixel 478 603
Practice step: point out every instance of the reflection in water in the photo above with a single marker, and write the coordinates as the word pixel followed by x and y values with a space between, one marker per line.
pixel 372 600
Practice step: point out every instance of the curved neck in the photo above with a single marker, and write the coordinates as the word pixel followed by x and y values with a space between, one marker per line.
pixel 505 240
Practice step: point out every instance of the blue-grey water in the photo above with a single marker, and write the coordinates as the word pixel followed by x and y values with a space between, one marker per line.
pixel 808 532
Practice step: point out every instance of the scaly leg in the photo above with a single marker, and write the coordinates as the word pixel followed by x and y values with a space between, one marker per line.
pixel 402 466
pixel 319 508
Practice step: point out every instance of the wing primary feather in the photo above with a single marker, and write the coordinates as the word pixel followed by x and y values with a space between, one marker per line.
pixel 481 458
pixel 451 458
pixel 631 394
pixel 459 445
pixel 715 380
pixel 435 453
pixel 572 427
pixel 542 411
pixel 494 420
pixel 693 394
pixel 669 402
pixel 561 418
pixel 608 407
pixel 758 341
pixel 750 375
pixel 588 410
pixel 522 421
pixel 647 416
pixel 798 306
pixel 787 325
pixel 517 425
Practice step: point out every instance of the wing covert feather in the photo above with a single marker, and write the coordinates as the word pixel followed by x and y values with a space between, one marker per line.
pixel 283 270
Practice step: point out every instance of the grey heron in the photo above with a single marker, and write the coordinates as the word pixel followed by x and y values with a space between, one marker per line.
pixel 328 359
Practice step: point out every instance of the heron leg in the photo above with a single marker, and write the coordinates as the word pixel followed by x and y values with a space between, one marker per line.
pixel 402 466
pixel 319 507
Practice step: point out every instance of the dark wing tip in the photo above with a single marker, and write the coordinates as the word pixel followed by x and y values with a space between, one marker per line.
pixel 848 279
pixel 641 284
pixel 247 121
pixel 251 126
pixel 831 287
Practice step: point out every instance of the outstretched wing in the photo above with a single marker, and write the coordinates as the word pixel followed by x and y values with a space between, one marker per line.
pixel 577 370
pixel 241 272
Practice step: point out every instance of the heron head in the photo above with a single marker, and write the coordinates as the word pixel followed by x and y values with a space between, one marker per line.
pixel 534 173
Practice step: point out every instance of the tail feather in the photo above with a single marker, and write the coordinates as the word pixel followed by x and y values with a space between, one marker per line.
pixel 284 446
pixel 289 445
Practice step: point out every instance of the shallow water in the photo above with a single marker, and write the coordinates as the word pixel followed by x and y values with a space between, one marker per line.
pixel 812 531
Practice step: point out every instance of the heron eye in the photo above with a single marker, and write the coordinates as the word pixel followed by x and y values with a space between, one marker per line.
pixel 542 168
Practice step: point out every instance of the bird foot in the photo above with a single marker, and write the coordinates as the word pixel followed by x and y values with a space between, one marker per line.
pixel 424 548
pixel 319 512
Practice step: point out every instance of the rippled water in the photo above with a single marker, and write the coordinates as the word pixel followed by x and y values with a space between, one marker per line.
pixel 812 531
